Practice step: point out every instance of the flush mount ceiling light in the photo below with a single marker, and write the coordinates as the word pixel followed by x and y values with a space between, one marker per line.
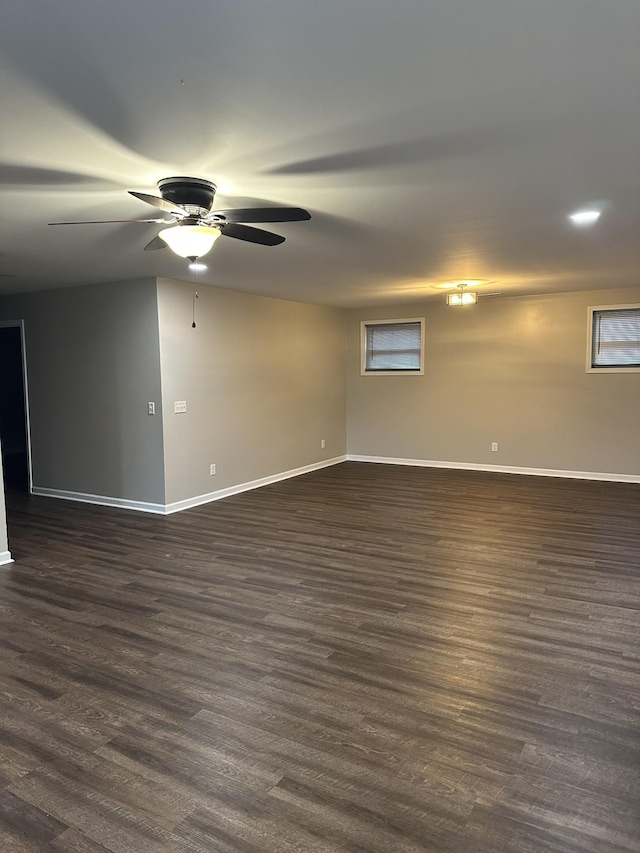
pixel 586 216
pixel 190 241
pixel 462 297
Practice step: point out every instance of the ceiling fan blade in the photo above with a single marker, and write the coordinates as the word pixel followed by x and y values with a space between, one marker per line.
pixel 108 221
pixel 251 235
pixel 154 200
pixel 156 243
pixel 263 214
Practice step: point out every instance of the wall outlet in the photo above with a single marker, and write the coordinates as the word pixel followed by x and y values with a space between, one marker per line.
pixel 323 443
pixel 180 406
pixel 212 468
pixel 494 446
pixel 151 408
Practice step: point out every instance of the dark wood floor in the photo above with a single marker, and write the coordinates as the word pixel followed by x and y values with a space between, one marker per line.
pixel 366 658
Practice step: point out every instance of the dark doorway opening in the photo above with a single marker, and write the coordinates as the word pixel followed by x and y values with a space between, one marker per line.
pixel 13 410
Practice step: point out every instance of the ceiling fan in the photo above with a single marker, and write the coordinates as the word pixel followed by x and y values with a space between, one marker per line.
pixel 194 226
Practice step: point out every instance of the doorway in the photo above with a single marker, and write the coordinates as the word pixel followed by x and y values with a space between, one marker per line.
pixel 14 413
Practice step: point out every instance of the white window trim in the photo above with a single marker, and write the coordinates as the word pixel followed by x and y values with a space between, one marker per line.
pixel 590 311
pixel 363 347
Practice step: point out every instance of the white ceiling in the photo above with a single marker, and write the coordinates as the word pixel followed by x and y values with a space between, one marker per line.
pixel 432 141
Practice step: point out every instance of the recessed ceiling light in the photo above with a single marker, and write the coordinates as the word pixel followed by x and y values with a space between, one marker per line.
pixel 587 216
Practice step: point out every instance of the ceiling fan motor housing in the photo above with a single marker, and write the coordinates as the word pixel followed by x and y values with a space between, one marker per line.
pixel 193 194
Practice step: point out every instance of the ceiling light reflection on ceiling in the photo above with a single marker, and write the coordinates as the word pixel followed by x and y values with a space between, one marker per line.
pixel 588 216
pixel 451 285
pixel 190 241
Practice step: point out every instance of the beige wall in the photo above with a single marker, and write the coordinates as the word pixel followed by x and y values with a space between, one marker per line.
pixel 263 380
pixel 93 364
pixel 510 370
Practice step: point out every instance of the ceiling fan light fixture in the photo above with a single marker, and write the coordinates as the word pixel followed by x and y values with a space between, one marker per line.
pixel 190 241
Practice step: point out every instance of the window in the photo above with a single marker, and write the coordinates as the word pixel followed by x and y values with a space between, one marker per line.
pixel 392 346
pixel 614 339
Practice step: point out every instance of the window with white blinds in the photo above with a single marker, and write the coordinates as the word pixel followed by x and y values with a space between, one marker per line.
pixel 615 338
pixel 392 346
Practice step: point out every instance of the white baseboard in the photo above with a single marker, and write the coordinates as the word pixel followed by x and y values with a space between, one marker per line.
pixel 253 484
pixel 177 506
pixel 498 469
pixel 5 558
pixel 100 500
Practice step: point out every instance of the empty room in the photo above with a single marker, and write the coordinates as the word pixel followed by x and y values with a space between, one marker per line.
pixel 319 417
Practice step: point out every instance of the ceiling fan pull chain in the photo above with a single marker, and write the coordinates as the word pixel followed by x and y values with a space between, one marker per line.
pixel 195 296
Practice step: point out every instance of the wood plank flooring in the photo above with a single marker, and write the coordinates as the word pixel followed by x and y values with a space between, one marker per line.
pixel 373 659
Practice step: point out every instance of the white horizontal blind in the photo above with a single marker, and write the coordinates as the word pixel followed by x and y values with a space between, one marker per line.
pixel 616 338
pixel 393 346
